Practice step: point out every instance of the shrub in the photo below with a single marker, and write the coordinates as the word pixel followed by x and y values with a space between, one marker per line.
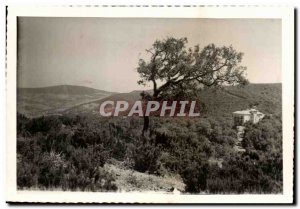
pixel 51 169
pixel 69 152
pixel 26 173
pixel 146 156
pixel 195 176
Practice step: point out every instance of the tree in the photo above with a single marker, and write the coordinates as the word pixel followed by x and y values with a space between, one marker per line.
pixel 176 71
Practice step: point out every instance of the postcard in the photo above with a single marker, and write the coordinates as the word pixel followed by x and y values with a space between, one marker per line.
pixel 150 104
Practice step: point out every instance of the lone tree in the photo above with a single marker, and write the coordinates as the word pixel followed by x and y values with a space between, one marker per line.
pixel 175 70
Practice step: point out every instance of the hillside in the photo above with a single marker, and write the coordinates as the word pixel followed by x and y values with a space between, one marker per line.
pixel 215 103
pixel 61 89
pixel 264 97
pixel 190 155
pixel 55 99
pixel 93 106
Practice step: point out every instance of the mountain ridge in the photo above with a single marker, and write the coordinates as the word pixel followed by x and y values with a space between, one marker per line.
pixel 62 89
pixel 219 103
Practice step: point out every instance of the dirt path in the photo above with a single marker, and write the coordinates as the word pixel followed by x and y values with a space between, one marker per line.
pixel 240 132
pixel 129 180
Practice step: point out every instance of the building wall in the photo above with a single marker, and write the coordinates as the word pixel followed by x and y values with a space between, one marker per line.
pixel 255 119
pixel 241 119
pixel 247 118
pixel 238 120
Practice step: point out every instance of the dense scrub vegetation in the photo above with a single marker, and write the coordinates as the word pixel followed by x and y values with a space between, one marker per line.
pixel 68 152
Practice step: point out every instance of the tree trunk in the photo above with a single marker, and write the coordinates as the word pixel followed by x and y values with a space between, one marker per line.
pixel 146 124
pixel 147 98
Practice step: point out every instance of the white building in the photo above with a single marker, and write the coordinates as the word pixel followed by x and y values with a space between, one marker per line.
pixel 252 115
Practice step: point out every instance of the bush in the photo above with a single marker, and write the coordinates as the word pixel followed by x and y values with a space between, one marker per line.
pixel 146 156
pixel 27 173
pixel 69 152
pixel 50 157
pixel 195 176
pixel 265 136
pixel 51 169
pixel 241 174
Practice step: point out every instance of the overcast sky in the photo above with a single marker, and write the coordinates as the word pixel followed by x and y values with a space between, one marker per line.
pixel 103 52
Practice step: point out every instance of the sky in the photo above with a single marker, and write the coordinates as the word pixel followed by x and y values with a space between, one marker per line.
pixel 103 53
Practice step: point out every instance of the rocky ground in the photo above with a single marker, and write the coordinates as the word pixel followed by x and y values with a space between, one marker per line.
pixel 128 180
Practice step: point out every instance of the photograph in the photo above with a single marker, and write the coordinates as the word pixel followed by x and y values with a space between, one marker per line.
pixel 179 109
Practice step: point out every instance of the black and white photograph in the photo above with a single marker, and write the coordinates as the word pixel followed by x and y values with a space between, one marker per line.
pixel 154 107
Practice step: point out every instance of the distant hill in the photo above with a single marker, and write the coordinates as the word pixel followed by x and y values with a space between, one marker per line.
pixel 264 97
pixel 55 99
pixel 61 89
pixel 95 105
pixel 214 103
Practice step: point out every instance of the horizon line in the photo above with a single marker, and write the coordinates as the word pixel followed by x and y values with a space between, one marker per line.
pixel 109 90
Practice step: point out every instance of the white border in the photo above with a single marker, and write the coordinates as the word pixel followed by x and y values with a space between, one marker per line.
pixel 286 14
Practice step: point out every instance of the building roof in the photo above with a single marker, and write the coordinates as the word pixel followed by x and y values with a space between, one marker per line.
pixel 242 112
pixel 247 112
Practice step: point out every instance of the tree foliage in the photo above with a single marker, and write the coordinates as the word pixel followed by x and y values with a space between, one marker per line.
pixel 181 71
